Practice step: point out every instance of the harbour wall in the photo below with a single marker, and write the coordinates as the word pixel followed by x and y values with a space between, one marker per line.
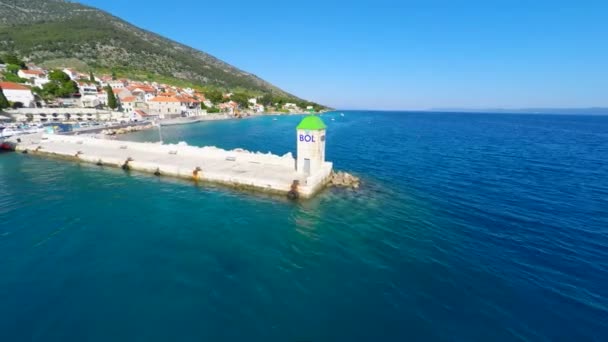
pixel 235 168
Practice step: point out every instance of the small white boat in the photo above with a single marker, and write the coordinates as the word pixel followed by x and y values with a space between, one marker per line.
pixel 341 114
pixel 33 129
pixel 9 132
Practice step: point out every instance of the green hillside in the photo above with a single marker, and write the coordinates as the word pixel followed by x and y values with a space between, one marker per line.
pixel 45 31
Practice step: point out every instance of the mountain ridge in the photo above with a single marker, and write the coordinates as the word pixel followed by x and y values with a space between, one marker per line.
pixel 47 30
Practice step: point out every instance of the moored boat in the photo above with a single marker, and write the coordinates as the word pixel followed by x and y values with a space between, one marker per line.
pixel 7 132
pixel 13 130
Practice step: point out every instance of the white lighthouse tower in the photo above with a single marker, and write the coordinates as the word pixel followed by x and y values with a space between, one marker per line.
pixel 311 145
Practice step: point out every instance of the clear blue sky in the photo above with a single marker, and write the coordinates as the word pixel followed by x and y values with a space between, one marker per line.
pixel 400 54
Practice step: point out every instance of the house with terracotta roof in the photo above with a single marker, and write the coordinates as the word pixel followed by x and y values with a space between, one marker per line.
pixel 290 106
pixel 142 91
pixel 131 103
pixel 167 94
pixel 229 107
pixel 149 96
pixel 141 87
pixel 15 92
pixel 199 96
pixel 165 106
pixel 116 84
pixel 104 79
pixel 27 74
pixel 175 106
pixel 202 99
pixel 37 78
pixel 258 108
pixel 141 115
pixel 190 105
pixel 121 93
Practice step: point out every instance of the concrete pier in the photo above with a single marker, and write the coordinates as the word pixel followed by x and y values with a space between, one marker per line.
pixel 235 168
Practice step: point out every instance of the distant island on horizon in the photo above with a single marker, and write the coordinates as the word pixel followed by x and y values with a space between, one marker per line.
pixel 564 111
pixel 557 111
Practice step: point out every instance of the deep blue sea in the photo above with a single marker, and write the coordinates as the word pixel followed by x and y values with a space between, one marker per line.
pixel 468 227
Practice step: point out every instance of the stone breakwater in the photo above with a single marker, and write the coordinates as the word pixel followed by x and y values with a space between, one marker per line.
pixel 125 130
pixel 344 179
pixel 237 168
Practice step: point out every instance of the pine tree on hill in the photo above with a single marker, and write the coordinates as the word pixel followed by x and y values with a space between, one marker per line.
pixel 14 60
pixel 111 98
pixel 3 101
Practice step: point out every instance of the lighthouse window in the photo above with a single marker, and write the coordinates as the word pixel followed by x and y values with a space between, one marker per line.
pixel 322 138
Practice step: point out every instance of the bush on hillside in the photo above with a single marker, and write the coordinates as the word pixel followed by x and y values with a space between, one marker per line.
pixel 13 78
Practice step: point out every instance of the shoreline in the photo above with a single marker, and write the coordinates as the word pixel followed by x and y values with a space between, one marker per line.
pixel 193 120
pixel 125 129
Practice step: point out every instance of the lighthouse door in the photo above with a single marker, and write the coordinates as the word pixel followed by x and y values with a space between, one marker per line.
pixel 307 166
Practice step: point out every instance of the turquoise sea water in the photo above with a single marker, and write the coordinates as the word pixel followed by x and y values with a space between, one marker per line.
pixel 469 227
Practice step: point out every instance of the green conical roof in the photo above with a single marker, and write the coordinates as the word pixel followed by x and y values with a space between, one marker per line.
pixel 312 123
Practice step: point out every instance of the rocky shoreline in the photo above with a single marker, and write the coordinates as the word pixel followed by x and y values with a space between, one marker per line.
pixel 344 180
pixel 125 130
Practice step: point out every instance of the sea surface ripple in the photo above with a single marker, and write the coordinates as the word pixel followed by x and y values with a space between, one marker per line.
pixel 468 227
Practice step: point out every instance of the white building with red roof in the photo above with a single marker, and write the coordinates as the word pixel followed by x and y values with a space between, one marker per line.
pixel 27 74
pixel 35 77
pixel 143 91
pixel 121 93
pixel 116 84
pixel 165 106
pixel 15 92
pixel 229 107
pixel 190 105
pixel 130 104
pixel 104 79
pixel 141 115
pixel 258 108
pixel 175 106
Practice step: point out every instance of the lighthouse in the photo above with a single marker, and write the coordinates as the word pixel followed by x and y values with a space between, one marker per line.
pixel 310 137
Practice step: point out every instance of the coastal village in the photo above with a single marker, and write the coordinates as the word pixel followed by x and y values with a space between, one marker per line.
pixel 107 98
pixel 63 112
